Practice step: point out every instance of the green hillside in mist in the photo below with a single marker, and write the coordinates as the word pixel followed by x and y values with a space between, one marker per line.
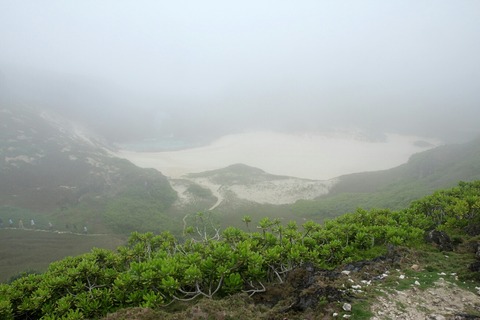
pixel 53 171
pixel 65 179
pixel 441 167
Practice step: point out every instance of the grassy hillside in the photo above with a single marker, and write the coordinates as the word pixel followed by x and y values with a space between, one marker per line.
pixel 235 174
pixel 287 270
pixel 52 170
pixel 395 188
pixel 425 172
pixel 34 250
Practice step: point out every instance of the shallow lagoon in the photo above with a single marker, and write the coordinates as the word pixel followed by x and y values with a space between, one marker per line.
pixel 319 156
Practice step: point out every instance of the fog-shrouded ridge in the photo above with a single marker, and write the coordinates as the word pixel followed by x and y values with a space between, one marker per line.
pixel 197 71
pixel 309 156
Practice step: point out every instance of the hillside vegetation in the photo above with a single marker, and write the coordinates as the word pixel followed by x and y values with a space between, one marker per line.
pixel 425 172
pixel 160 272
pixel 56 172
pixel 240 190
pixel 24 250
pixel 52 170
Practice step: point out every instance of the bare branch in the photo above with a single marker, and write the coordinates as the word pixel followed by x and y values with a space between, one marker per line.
pixel 254 290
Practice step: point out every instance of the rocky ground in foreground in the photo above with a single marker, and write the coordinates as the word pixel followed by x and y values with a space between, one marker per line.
pixel 399 285
pixel 444 300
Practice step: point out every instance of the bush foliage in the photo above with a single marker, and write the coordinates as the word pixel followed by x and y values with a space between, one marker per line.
pixel 155 270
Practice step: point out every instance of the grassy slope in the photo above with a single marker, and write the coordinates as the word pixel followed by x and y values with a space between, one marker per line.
pixel 396 188
pixel 424 173
pixel 29 250
pixel 68 180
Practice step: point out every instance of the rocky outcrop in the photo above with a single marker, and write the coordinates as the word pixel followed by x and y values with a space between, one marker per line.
pixel 440 239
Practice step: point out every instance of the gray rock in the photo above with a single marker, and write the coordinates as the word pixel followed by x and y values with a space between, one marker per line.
pixel 347 307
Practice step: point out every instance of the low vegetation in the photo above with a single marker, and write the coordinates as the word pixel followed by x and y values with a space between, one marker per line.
pixel 161 272
pixel 28 250
pixel 396 188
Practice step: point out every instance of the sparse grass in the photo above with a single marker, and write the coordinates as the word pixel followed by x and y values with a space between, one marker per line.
pixel 472 312
pixel 236 307
pixel 397 187
pixel 361 310
pixel 400 305
pixel 433 265
pixel 28 250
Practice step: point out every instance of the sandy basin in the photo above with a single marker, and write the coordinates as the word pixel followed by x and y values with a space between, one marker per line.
pixel 311 156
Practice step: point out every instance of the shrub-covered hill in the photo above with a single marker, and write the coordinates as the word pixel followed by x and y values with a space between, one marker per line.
pixel 395 188
pixel 52 170
pixel 159 272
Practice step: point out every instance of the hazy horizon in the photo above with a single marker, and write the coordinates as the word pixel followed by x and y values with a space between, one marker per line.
pixel 193 72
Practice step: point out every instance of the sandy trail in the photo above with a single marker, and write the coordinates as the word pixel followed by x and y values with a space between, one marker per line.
pixel 218 195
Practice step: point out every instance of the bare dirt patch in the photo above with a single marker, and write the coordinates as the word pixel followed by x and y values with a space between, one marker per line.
pixel 445 300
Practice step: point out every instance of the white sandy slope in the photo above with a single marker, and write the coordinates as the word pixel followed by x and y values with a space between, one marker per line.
pixel 317 156
pixel 281 191
pixel 276 191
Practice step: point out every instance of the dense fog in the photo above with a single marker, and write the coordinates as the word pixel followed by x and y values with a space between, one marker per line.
pixel 191 72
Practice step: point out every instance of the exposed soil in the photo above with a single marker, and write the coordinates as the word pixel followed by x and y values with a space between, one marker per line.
pixel 445 300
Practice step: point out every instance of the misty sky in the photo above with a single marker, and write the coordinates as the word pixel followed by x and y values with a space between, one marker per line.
pixel 201 69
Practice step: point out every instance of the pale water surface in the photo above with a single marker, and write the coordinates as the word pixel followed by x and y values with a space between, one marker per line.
pixel 312 156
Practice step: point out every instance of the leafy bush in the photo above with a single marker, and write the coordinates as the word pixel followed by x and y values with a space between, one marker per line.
pixel 154 270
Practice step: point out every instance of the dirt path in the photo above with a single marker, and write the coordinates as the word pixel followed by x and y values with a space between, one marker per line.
pixel 214 188
pixel 185 222
pixel 218 195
